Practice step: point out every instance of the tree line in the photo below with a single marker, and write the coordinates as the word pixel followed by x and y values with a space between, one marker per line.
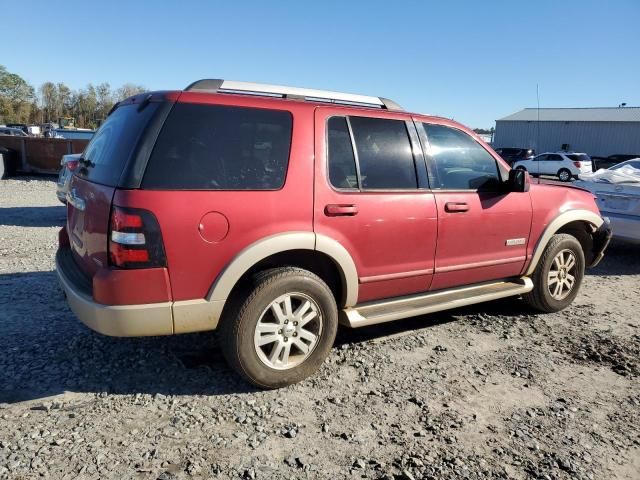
pixel 20 102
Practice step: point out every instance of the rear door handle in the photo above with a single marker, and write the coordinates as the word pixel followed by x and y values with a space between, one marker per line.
pixel 456 207
pixel 340 210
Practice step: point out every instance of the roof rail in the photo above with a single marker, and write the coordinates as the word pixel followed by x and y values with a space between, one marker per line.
pixel 229 86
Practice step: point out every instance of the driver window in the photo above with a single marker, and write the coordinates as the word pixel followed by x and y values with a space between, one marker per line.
pixel 460 162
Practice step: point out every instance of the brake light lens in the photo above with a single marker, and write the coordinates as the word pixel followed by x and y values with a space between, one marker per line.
pixel 135 240
pixel 72 165
pixel 577 164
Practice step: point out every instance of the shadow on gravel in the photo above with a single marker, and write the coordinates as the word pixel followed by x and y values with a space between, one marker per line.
pixel 46 351
pixel 33 216
pixel 620 259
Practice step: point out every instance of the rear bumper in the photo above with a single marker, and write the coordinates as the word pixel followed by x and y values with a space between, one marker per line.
pixel 113 320
pixel 601 239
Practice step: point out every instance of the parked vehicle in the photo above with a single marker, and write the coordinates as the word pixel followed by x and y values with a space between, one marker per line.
pixel 612 160
pixel 273 219
pixel 564 165
pixel 511 155
pixel 68 165
pixel 80 134
pixel 618 197
pixel 16 132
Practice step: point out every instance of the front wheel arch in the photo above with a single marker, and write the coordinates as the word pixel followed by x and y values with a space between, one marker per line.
pixel 566 222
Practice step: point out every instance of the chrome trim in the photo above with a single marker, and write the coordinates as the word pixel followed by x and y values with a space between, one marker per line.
pixel 396 276
pixel 487 263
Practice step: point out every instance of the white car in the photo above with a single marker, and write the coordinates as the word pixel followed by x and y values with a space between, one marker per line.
pixel 564 165
pixel 617 192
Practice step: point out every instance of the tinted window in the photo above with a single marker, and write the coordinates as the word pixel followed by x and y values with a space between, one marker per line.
pixel 113 144
pixel 554 158
pixel 460 162
pixel 213 147
pixel 579 157
pixel 342 163
pixel 384 153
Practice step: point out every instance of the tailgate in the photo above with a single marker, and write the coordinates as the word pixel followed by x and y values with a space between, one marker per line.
pixel 88 210
pixel 93 185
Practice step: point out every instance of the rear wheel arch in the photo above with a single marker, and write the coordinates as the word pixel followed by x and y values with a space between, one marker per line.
pixel 316 253
pixel 578 223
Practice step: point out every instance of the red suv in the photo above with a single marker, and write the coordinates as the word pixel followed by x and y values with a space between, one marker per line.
pixel 275 213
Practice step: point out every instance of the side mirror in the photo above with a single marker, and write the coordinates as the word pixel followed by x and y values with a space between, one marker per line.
pixel 518 180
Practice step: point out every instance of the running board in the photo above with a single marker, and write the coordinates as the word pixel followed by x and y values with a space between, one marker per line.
pixel 410 306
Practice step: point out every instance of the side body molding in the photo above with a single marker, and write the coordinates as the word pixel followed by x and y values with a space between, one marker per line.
pixel 204 314
pixel 556 224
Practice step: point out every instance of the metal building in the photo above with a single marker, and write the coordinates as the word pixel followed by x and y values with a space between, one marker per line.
pixel 595 131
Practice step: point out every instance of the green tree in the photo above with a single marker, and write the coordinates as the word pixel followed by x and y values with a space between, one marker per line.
pixel 128 90
pixel 16 97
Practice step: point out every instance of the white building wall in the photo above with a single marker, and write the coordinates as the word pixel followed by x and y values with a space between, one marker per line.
pixel 593 138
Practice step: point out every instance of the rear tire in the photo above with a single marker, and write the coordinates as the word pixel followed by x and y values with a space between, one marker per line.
pixel 283 330
pixel 558 276
pixel 564 175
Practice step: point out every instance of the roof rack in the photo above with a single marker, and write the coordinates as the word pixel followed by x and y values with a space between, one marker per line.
pixel 247 88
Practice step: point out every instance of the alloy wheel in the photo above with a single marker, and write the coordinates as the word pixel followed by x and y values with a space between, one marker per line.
pixel 288 331
pixel 561 278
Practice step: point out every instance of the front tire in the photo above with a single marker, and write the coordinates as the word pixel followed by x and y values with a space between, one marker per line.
pixel 558 276
pixel 283 330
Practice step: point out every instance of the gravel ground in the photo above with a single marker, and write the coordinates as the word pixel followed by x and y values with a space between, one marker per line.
pixel 491 391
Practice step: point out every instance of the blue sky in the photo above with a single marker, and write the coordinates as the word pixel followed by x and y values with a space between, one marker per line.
pixel 473 61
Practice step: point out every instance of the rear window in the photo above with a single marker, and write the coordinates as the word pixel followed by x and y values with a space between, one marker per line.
pixel 579 158
pixel 113 144
pixel 215 147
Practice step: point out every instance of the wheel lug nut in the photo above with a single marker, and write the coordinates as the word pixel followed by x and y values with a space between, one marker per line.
pixel 295 334
pixel 295 324
pixel 286 339
pixel 280 331
pixel 286 321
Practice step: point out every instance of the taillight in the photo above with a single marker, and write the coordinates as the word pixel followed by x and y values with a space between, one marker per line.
pixel 577 164
pixel 72 165
pixel 135 240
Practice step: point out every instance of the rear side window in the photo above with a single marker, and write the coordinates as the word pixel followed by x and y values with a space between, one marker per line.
pixel 460 162
pixel 384 153
pixel 342 163
pixel 111 147
pixel 215 147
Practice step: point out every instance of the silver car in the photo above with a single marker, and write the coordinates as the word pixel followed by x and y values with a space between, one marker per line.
pixel 617 192
pixel 68 163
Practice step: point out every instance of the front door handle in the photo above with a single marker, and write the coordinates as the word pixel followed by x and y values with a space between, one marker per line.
pixel 340 210
pixel 456 207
